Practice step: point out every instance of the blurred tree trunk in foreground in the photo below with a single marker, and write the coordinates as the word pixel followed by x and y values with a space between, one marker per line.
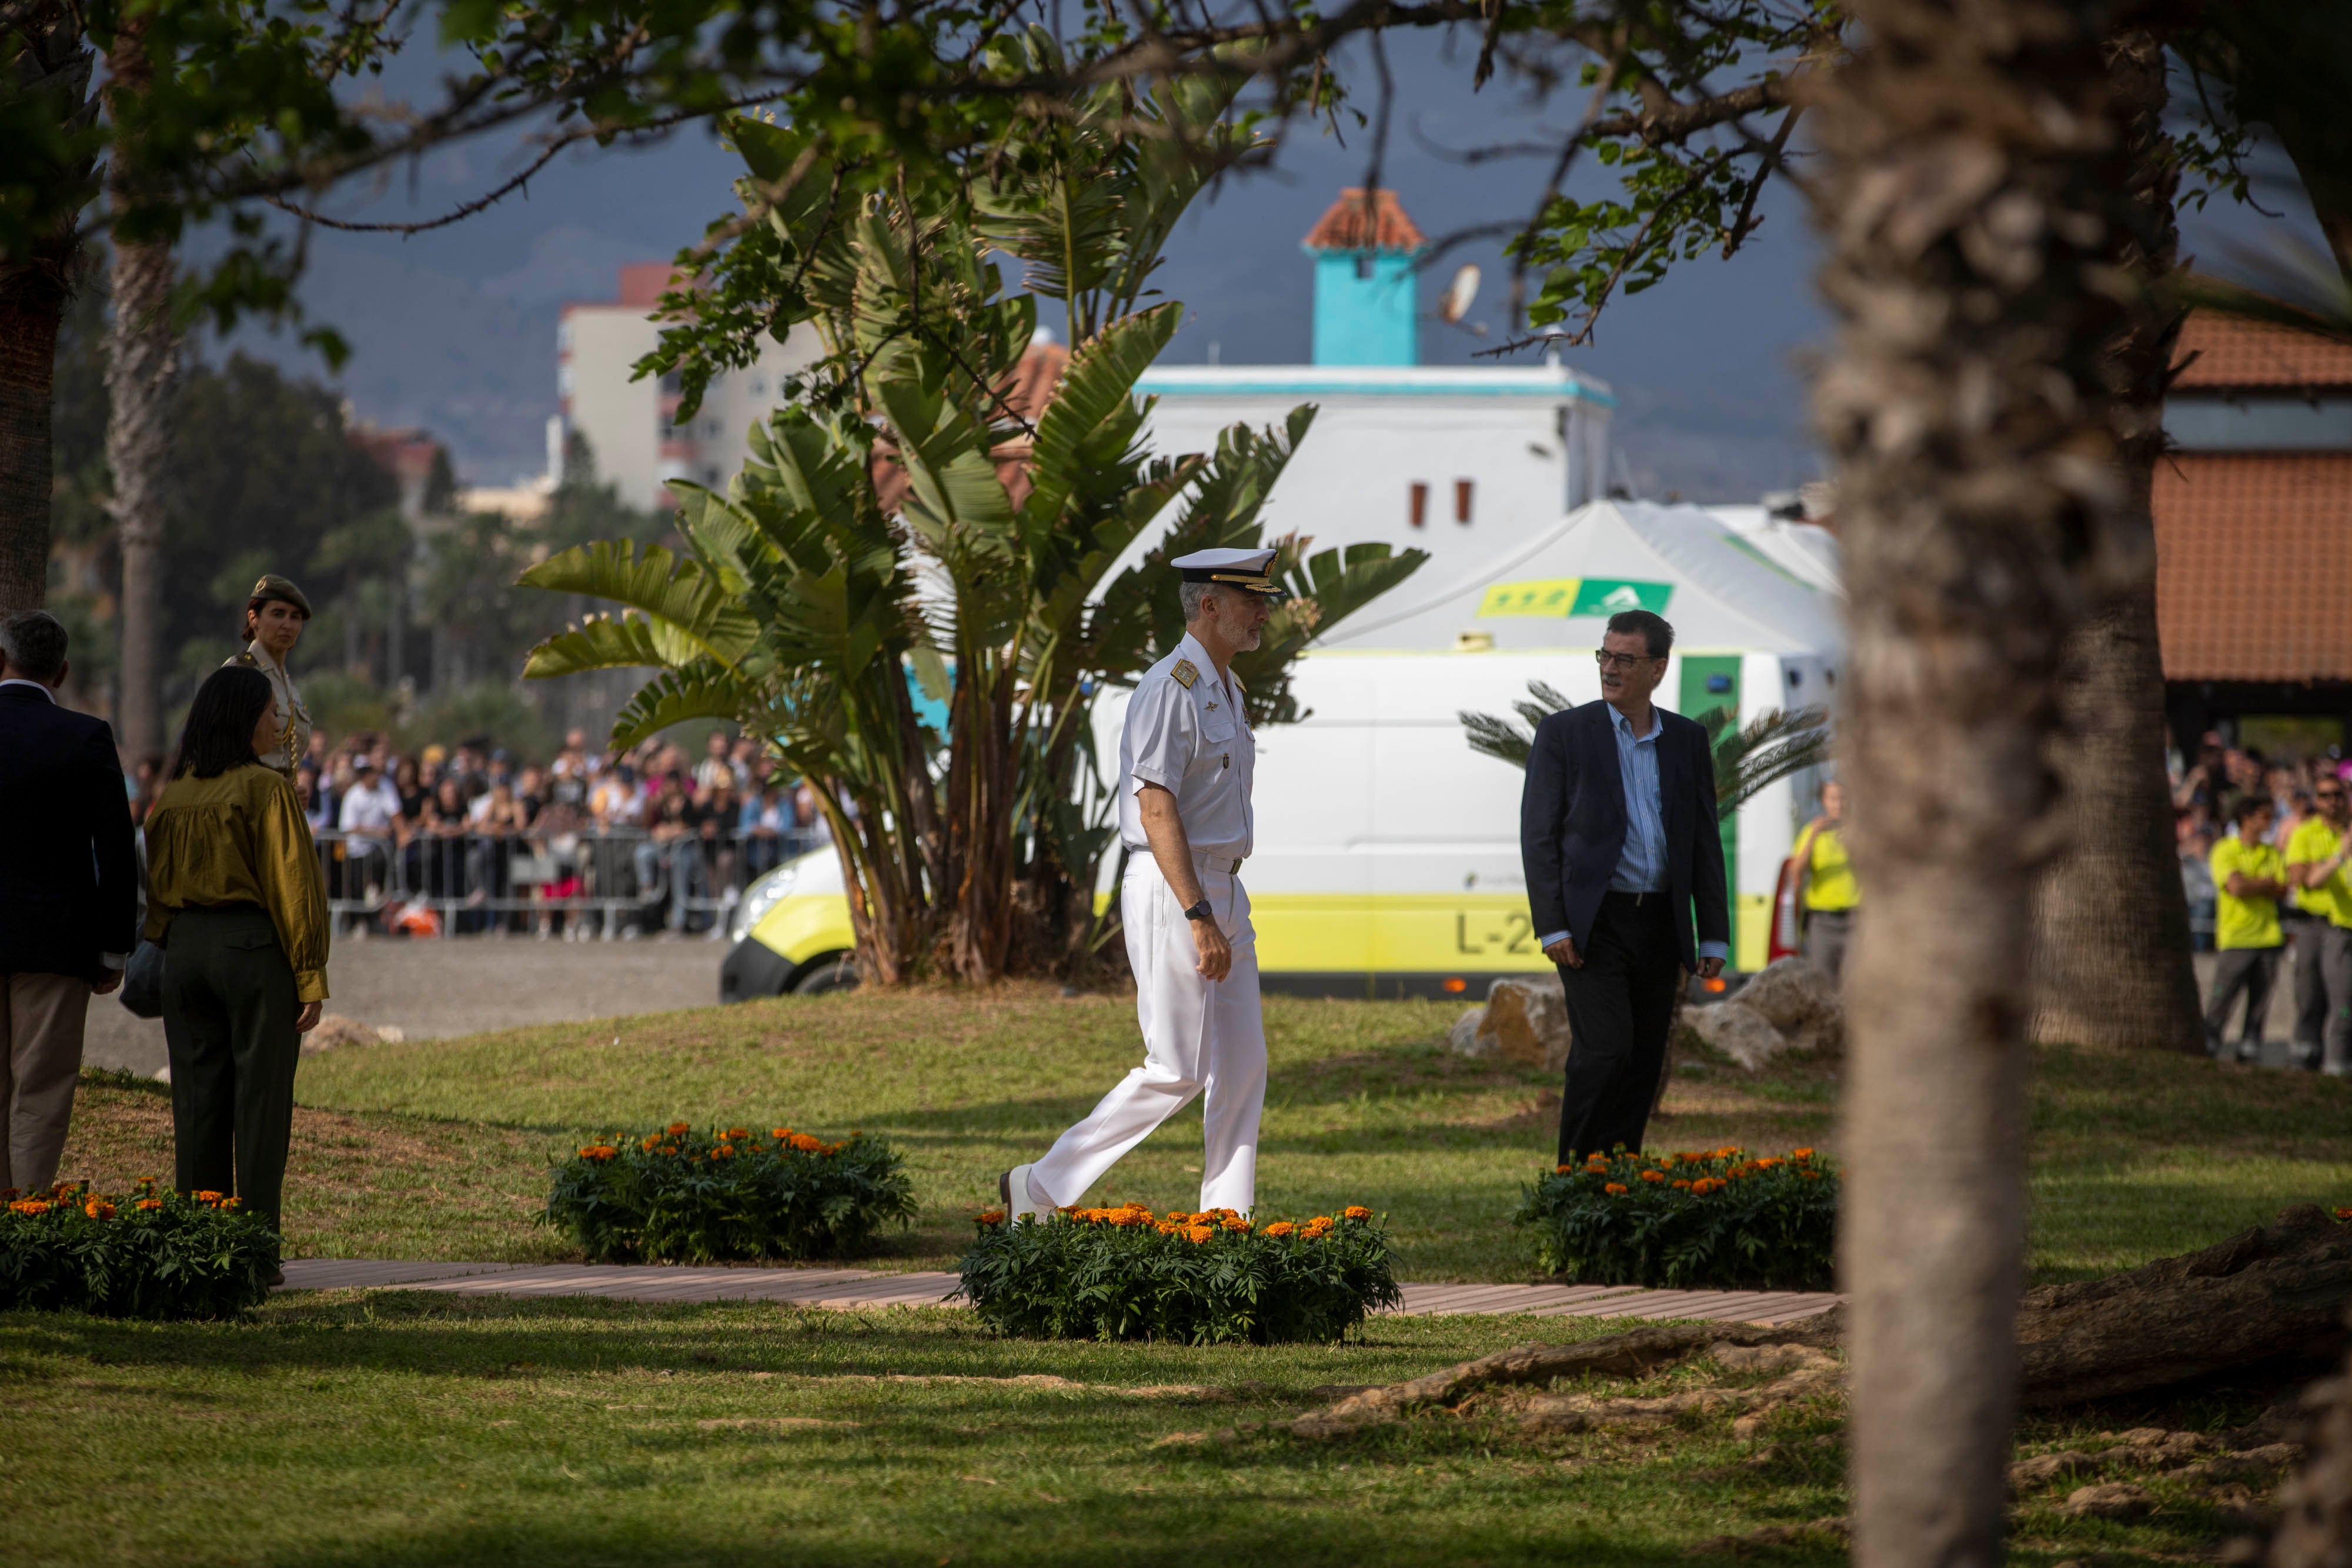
pixel 1975 189
pixel 142 354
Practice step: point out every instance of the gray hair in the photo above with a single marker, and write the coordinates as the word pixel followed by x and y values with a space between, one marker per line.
pixel 1190 594
pixel 33 644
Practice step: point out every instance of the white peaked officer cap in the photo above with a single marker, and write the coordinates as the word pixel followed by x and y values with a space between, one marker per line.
pixel 1243 569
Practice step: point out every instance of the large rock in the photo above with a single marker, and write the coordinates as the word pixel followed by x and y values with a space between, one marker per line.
pixel 1789 1007
pixel 1525 1022
pixel 1797 997
pixel 1736 1030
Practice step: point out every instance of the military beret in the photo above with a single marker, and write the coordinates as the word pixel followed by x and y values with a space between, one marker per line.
pixel 273 586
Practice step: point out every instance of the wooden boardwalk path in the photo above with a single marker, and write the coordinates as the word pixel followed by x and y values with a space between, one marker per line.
pixel 844 1288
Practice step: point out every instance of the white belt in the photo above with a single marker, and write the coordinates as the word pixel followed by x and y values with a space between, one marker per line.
pixel 1227 864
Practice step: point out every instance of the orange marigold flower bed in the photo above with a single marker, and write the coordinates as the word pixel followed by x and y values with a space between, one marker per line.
pixel 1728 1220
pixel 1130 1271
pixel 675 1195
pixel 148 1255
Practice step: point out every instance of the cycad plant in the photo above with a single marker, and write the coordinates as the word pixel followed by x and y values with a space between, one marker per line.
pixel 904 522
pixel 1768 749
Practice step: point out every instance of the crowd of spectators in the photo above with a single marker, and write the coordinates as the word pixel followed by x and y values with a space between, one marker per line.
pixel 683 836
pixel 2205 787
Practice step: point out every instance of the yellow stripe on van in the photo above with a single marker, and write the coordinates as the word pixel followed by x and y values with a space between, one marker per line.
pixel 1323 933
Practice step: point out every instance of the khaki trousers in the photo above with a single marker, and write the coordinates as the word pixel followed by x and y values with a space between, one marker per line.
pixel 40 1056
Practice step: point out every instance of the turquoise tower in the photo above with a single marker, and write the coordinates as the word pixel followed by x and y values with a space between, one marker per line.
pixel 1365 297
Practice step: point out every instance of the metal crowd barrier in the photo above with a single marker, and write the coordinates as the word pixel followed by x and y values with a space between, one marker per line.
pixel 597 884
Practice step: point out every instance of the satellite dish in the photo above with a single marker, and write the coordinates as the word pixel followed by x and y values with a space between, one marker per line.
pixel 1459 294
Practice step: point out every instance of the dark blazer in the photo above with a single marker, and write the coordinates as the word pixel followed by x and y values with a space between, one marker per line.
pixel 1573 825
pixel 68 868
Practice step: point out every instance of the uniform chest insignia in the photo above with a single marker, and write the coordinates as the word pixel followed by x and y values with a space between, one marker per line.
pixel 1212 708
pixel 1185 673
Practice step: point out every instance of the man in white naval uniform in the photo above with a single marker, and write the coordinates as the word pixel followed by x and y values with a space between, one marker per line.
pixel 1185 761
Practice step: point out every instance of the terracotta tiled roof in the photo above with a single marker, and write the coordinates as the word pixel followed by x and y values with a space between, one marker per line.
pixel 2254 566
pixel 644 282
pixel 2232 351
pixel 1029 389
pixel 1356 224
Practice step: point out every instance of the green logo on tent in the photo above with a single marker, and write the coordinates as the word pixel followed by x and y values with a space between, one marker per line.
pixel 1552 596
pixel 1608 595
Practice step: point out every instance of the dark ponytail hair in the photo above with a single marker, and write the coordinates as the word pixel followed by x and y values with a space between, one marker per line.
pixel 218 734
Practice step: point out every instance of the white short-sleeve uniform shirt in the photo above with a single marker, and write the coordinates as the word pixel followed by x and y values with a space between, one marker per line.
pixel 1185 732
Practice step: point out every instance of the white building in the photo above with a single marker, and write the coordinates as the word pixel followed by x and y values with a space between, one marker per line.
pixel 630 424
pixel 1462 460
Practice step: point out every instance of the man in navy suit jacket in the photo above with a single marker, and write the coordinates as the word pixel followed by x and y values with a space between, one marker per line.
pixel 68 892
pixel 1618 832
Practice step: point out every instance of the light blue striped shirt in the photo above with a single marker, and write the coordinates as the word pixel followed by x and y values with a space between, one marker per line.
pixel 1642 863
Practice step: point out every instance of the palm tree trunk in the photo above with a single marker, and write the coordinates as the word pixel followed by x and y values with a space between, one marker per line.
pixel 32 301
pixel 2111 961
pixel 51 64
pixel 1972 189
pixel 143 356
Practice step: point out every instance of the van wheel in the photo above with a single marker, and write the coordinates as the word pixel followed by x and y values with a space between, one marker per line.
pixel 836 974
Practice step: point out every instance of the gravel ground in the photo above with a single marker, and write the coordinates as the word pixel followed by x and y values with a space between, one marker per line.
pixel 427 990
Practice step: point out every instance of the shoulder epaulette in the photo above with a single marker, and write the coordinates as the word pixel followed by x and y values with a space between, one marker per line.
pixel 1185 673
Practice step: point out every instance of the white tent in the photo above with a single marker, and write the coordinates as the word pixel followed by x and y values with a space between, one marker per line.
pixel 1722 585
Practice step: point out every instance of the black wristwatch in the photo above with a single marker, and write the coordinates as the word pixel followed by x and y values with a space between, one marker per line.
pixel 1199 911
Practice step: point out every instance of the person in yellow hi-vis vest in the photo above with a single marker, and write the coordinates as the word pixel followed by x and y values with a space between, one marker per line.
pixel 1826 890
pixel 2249 879
pixel 2316 856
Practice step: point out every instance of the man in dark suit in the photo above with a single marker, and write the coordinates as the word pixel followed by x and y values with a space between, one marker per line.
pixel 1617 832
pixel 68 892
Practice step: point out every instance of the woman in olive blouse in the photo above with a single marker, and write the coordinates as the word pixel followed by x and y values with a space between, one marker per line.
pixel 234 898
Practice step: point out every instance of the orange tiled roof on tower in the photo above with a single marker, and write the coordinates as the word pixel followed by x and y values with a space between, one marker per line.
pixel 1356 222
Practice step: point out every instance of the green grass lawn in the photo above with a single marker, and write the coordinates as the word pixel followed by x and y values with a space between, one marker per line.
pixel 396 1430
pixel 370 1430
pixel 438 1149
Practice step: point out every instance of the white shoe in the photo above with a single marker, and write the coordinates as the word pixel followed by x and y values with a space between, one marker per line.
pixel 1014 1189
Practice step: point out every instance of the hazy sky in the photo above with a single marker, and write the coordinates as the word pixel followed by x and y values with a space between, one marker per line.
pixel 454 329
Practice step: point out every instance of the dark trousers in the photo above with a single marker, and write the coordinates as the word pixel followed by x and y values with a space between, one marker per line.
pixel 2251 970
pixel 228 1022
pixel 1620 1006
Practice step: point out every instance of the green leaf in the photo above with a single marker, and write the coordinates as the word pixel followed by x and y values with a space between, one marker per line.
pixel 667 589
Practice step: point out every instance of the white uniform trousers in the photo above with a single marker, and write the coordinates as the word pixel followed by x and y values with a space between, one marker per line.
pixel 1199 1037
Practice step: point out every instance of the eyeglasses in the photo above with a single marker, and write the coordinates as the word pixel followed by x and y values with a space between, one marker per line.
pixel 1608 661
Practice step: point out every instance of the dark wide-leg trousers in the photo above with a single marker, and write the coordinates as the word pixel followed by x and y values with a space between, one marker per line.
pixel 229 1011
pixel 1620 1006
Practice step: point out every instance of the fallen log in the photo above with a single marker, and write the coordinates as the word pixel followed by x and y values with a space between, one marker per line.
pixel 2280 1289
pixel 2273 1292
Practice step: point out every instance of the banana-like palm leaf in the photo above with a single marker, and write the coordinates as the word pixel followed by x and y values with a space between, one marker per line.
pixel 673 591
pixel 1095 393
pixel 700 690
pixel 603 643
